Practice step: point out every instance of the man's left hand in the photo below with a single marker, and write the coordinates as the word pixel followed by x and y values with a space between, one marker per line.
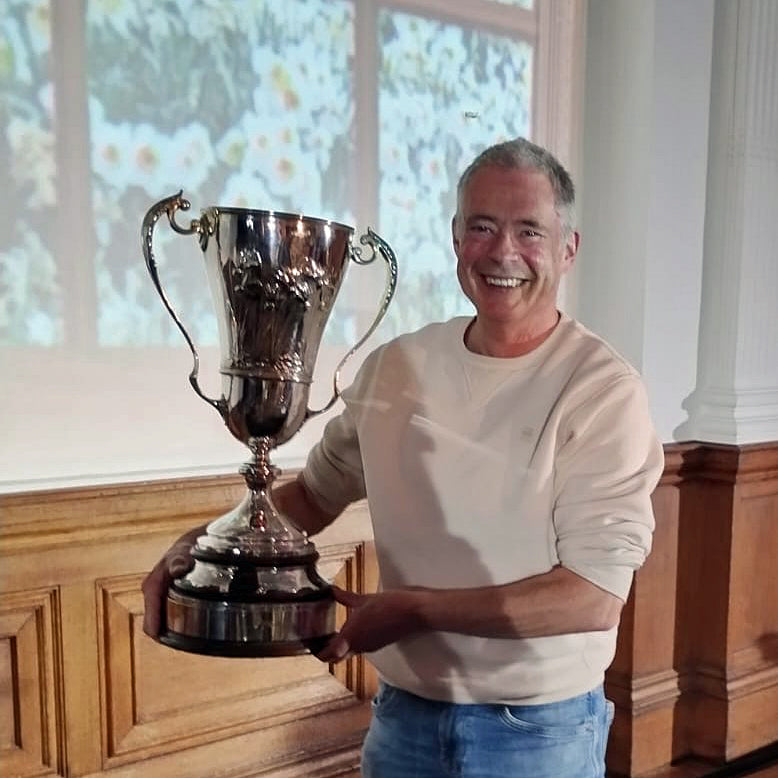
pixel 373 621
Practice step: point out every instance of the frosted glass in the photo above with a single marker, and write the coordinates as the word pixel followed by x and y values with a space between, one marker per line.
pixel 446 92
pixel 239 104
pixel 31 298
pixel 527 4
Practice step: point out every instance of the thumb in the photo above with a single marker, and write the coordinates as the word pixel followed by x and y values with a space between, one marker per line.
pixel 347 598
pixel 335 651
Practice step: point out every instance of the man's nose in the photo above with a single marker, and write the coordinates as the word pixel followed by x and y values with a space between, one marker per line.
pixel 504 246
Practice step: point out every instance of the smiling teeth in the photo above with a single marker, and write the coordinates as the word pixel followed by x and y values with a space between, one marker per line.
pixel 499 281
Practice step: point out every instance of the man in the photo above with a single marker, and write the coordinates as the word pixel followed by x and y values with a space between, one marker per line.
pixel 508 462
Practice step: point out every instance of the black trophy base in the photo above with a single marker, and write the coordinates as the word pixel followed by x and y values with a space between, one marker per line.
pixel 235 648
pixel 262 627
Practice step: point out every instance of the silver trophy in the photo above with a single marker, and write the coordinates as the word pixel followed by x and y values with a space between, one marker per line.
pixel 254 589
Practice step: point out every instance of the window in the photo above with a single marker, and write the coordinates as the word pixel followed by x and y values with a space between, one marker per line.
pixel 360 111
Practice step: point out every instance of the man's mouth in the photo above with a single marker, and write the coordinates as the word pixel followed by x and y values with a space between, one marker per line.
pixel 503 281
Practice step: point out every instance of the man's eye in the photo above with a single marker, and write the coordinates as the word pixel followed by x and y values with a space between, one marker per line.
pixel 479 228
pixel 531 234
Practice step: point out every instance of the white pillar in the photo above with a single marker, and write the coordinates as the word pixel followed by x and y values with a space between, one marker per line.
pixel 642 193
pixel 736 397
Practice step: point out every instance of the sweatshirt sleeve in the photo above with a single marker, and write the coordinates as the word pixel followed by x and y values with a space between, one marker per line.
pixel 606 470
pixel 333 472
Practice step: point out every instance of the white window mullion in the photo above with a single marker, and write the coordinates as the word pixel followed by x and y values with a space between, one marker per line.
pixel 366 75
pixel 558 78
pixel 75 228
pixel 557 94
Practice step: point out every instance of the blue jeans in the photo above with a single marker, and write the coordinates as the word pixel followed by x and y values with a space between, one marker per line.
pixel 410 737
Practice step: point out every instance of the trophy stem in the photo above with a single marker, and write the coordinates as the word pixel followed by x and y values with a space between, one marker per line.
pixel 259 475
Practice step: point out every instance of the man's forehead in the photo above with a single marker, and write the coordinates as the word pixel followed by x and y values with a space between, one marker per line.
pixel 519 179
pixel 506 186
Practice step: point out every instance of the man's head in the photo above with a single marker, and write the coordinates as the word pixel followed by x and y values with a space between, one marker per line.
pixel 514 239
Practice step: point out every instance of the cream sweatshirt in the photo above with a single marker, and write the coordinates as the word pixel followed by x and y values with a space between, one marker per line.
pixel 481 471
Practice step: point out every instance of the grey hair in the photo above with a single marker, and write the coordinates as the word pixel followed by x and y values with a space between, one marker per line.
pixel 521 154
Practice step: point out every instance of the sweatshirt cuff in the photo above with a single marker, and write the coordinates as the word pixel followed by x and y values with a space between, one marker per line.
pixel 614 579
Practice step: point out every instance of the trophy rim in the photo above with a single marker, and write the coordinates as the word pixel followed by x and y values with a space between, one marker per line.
pixel 277 215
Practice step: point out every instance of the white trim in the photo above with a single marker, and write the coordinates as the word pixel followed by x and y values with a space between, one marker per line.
pixel 497 17
pixel 75 231
pixel 557 97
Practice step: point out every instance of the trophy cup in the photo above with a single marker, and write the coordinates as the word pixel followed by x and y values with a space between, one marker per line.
pixel 254 589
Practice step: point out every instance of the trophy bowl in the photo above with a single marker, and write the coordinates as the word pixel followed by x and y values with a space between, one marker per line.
pixel 254 589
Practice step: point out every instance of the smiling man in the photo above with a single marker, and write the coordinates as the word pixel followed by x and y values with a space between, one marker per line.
pixel 508 461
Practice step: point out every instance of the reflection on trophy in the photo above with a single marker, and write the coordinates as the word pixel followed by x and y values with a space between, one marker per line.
pixel 254 589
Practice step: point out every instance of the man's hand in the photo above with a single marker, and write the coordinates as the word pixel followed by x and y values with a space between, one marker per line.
pixel 177 561
pixel 374 621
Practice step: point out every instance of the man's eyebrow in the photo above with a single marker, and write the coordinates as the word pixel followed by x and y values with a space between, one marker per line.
pixel 526 222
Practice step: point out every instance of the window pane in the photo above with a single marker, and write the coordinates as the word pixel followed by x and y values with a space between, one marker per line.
pixel 520 3
pixel 446 92
pixel 238 104
pixel 30 292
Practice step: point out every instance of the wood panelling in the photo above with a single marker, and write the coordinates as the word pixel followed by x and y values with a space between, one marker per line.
pixel 709 592
pixel 31 676
pixel 729 602
pixel 85 692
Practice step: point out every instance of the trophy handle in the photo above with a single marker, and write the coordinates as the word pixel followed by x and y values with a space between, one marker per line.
pixel 169 206
pixel 378 246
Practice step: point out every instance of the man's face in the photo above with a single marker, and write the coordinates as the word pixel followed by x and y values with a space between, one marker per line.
pixel 511 249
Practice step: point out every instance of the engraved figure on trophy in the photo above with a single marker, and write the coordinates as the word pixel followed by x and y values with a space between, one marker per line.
pixel 254 589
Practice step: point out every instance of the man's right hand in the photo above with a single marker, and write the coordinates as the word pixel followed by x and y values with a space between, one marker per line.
pixel 176 561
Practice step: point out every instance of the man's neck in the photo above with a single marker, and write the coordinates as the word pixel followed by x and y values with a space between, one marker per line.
pixel 503 342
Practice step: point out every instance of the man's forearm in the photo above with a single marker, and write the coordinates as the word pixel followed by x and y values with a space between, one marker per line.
pixel 293 500
pixel 553 603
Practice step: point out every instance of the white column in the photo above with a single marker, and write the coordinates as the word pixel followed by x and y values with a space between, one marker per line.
pixel 642 193
pixel 736 398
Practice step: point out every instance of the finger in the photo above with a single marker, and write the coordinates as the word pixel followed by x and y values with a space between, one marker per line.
pixel 335 651
pixel 345 597
pixel 179 560
pixel 176 562
pixel 154 588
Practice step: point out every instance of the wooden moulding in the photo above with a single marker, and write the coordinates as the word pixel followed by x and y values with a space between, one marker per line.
pixel 85 692
pixel 728 654
pixel 696 669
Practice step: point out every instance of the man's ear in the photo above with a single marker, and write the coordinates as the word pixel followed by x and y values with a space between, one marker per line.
pixel 454 238
pixel 571 248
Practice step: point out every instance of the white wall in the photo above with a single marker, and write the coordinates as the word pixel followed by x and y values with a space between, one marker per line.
pixel 646 113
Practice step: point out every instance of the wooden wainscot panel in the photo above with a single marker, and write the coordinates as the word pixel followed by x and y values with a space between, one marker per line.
pixel 642 681
pixel 752 630
pixel 728 608
pixel 31 720
pixel 158 700
pixel 112 701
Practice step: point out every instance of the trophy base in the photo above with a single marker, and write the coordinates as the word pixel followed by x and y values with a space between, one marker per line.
pixel 238 649
pixel 248 629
